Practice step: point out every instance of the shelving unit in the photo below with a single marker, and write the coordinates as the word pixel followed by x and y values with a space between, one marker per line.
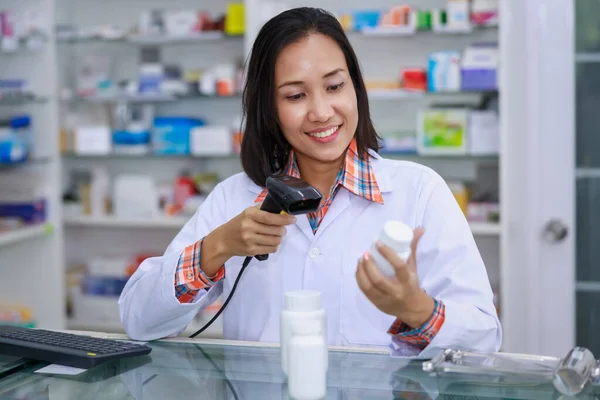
pixel 31 257
pixel 17 235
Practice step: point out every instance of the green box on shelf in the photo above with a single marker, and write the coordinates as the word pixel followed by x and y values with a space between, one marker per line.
pixel 442 131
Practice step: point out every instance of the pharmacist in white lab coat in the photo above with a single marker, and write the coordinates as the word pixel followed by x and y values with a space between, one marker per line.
pixel 307 115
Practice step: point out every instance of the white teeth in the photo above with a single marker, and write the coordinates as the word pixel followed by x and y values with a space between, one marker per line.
pixel 326 133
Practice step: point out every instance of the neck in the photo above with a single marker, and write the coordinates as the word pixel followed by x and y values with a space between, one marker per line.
pixel 320 175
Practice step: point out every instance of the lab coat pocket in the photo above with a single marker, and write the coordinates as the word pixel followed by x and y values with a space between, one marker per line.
pixel 361 323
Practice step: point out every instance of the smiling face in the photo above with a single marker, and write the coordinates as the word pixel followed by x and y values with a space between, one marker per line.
pixel 315 99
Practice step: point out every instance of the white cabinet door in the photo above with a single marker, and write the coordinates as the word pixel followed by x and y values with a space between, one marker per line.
pixel 538 175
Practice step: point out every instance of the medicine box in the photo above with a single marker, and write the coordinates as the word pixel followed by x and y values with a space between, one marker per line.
pixel 171 135
pixel 442 131
pixel 479 69
pixel 443 73
pixel 211 140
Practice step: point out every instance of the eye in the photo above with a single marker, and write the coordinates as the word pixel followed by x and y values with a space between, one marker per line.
pixel 295 97
pixel 334 88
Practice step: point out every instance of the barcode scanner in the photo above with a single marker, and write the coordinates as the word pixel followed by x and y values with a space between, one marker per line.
pixel 285 194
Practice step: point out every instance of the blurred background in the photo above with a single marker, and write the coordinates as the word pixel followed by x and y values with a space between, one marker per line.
pixel 118 117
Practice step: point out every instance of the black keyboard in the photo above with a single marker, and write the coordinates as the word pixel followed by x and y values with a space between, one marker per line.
pixel 64 348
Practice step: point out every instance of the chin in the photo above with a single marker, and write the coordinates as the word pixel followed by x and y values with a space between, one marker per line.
pixel 328 156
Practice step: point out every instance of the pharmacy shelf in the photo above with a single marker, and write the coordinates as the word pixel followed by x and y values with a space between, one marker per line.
pixel 485 228
pixel 26 98
pixel 22 234
pixel 116 222
pixel 398 94
pixel 135 156
pixel 394 31
pixel 145 98
pixel 149 39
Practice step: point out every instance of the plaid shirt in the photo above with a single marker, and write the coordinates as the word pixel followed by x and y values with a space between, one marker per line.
pixel 356 176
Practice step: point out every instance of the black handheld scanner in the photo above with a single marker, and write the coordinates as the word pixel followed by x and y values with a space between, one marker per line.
pixel 286 194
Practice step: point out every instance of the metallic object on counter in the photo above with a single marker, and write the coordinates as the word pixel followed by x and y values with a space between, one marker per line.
pixel 569 375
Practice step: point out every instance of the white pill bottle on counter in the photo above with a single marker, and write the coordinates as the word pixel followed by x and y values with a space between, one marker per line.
pixel 396 235
pixel 307 371
pixel 300 305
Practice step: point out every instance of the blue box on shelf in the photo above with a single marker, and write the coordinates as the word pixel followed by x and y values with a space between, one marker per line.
pixel 365 19
pixel 479 69
pixel 171 135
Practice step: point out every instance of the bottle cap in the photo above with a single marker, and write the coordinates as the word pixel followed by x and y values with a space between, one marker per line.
pixel 397 235
pixel 303 300
pixel 306 326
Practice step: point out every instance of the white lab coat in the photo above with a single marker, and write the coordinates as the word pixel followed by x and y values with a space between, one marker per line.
pixel 449 266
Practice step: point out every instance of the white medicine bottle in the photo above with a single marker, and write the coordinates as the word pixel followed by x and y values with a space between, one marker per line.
pixel 396 235
pixel 307 375
pixel 300 305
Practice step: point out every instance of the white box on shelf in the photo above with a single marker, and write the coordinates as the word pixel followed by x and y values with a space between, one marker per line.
pixel 484 133
pixel 108 266
pixel 135 196
pixel 92 140
pixel 211 140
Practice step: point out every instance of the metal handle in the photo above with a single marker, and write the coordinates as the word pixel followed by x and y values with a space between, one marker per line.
pixel 555 230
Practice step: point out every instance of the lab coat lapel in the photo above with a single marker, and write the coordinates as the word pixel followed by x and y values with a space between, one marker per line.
pixel 304 226
pixel 337 207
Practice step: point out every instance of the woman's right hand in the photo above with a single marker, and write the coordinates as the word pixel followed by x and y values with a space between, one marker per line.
pixel 255 231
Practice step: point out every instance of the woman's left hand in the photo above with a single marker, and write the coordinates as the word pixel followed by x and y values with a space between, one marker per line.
pixel 402 295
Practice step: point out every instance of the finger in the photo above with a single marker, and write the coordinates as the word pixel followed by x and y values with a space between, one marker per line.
pixel 401 267
pixel 383 285
pixel 269 230
pixel 266 240
pixel 268 218
pixel 264 250
pixel 365 285
pixel 362 279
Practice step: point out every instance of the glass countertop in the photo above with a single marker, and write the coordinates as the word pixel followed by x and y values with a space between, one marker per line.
pixel 214 370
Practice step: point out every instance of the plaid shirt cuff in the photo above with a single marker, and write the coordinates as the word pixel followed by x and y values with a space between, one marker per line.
pixel 423 335
pixel 189 277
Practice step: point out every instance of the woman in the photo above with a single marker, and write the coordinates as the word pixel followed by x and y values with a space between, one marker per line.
pixel 307 115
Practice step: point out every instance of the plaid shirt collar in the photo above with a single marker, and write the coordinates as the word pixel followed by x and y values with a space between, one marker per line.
pixel 356 176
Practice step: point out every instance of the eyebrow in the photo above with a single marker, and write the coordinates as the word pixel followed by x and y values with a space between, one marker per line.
pixel 327 75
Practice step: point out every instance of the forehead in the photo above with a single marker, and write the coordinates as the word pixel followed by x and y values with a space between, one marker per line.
pixel 314 55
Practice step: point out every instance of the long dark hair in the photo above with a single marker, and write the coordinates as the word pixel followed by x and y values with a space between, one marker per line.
pixel 264 148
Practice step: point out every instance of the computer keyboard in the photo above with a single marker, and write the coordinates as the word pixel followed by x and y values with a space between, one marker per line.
pixel 64 348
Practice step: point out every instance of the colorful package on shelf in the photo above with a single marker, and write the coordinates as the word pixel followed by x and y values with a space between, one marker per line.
pixel 444 72
pixel 12 150
pixel 398 16
pixel 171 135
pixel 398 142
pixel 234 19
pixel 362 19
pixel 27 212
pixel 479 69
pixel 481 211
pixel 414 79
pixel 11 314
pixel 484 12
pixel 442 131
pixel 102 285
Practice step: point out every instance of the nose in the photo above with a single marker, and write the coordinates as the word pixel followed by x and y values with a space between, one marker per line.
pixel 320 110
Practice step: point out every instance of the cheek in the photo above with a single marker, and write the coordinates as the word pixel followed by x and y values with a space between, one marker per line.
pixel 290 117
pixel 348 107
